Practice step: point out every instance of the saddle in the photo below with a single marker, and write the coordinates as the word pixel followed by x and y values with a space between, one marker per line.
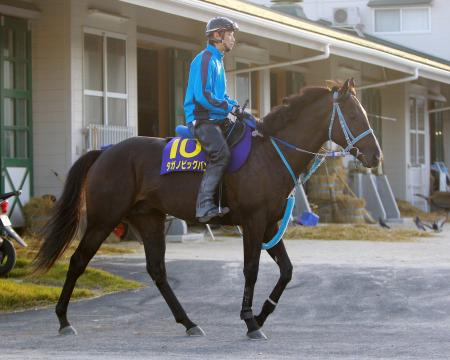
pixel 184 154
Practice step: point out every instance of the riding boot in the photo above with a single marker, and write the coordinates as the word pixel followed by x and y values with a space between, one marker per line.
pixel 213 143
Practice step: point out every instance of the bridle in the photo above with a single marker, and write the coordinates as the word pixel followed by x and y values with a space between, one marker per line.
pixel 320 157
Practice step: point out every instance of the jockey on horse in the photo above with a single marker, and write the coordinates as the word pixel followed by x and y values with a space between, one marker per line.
pixel 207 106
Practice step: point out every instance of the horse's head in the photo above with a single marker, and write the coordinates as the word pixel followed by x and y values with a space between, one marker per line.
pixel 351 128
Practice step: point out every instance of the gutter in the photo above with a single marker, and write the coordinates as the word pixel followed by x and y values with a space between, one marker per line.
pixel 323 56
pixel 392 82
pixel 434 111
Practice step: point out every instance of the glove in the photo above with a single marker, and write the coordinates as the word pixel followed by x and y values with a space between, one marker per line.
pixel 237 111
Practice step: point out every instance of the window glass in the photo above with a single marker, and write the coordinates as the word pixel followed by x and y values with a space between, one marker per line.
pixel 117 112
pixel 21 144
pixel 8 43
pixel 21 112
pixel 8 111
pixel 116 65
pixel 413 150
pixel 20 79
pixel 421 148
pixel 93 109
pixel 21 45
pixel 242 85
pixel 387 20
pixel 93 62
pixel 420 114
pixel 8 147
pixel 415 20
pixel 8 74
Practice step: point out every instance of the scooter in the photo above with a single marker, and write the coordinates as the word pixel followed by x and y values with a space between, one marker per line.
pixel 7 234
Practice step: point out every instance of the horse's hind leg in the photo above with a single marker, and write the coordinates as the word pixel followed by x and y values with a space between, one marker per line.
pixel 89 244
pixel 151 229
pixel 280 256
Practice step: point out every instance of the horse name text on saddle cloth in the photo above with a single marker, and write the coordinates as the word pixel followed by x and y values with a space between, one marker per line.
pixel 183 154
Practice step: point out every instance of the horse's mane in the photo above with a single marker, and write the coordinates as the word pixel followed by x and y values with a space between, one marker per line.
pixel 280 115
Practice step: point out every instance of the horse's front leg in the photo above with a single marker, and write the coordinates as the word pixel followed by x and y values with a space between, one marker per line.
pixel 253 232
pixel 280 256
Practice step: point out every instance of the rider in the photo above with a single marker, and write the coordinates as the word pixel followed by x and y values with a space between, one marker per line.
pixel 206 106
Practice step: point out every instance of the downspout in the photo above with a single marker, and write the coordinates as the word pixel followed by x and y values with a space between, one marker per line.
pixel 392 82
pixel 323 56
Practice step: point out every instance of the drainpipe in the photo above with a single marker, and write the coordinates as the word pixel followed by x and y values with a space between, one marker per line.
pixel 323 56
pixel 438 110
pixel 392 82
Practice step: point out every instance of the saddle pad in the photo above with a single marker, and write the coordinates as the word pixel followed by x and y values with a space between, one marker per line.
pixel 182 154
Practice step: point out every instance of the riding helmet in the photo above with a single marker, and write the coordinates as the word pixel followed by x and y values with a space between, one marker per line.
pixel 220 23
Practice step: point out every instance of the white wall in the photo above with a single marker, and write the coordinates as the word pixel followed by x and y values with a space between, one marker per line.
pixel 433 43
pixel 394 139
pixel 51 102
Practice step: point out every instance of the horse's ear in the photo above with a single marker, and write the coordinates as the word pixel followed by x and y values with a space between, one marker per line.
pixel 344 88
pixel 351 83
pixel 352 86
pixel 285 100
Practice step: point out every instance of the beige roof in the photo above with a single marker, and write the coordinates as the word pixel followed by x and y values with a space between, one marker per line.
pixel 268 14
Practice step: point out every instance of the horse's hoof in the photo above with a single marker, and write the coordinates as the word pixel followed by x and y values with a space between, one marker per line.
pixel 68 330
pixel 256 335
pixel 195 331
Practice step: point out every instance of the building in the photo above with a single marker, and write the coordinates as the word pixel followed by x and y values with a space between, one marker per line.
pixel 78 74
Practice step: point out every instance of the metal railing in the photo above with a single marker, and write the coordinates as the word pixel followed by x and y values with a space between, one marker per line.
pixel 97 136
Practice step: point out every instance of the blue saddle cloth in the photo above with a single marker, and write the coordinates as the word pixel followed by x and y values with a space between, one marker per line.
pixel 184 153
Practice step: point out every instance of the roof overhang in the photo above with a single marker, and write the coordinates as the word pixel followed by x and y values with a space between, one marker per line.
pixel 265 23
pixel 20 9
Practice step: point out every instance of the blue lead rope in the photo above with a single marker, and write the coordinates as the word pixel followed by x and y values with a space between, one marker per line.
pixel 289 205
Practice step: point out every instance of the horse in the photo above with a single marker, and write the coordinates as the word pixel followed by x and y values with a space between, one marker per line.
pixel 123 183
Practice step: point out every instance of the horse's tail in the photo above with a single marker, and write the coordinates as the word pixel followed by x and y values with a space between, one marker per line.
pixel 63 224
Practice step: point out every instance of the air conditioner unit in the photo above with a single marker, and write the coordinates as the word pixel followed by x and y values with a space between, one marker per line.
pixel 346 17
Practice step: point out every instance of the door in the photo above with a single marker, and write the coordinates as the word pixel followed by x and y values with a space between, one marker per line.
pixel 15 115
pixel 418 165
pixel 180 62
pixel 148 94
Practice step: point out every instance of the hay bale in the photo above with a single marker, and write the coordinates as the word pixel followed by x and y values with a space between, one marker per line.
pixel 323 187
pixel 37 212
pixel 343 209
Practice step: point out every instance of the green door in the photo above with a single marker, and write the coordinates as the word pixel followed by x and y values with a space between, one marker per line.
pixel 180 61
pixel 15 112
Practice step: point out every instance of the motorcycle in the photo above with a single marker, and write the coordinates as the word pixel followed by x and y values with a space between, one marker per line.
pixel 7 235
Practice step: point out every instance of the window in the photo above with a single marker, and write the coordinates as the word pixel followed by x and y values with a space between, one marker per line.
pixel 247 88
pixel 105 85
pixel 417 131
pixel 436 133
pixel 402 20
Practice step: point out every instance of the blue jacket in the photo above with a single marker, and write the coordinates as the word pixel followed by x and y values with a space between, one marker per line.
pixel 206 95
